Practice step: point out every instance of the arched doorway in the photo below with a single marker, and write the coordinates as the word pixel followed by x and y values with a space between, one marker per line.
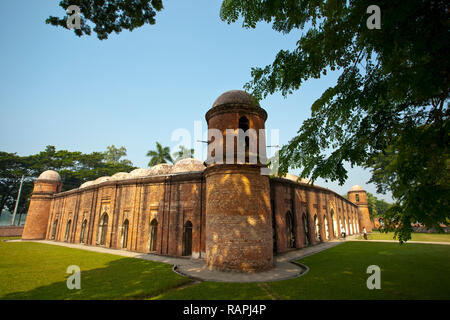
pixel 305 229
pixel 290 230
pixel 325 222
pixel 316 225
pixel 335 225
pixel 66 237
pixel 102 229
pixel 187 239
pixel 55 224
pixel 124 238
pixel 83 231
pixel 152 235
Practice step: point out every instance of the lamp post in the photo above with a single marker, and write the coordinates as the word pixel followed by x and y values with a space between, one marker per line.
pixel 17 202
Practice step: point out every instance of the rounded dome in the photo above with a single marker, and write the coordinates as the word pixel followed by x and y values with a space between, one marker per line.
pixel 295 178
pixel 120 176
pixel 357 188
pixel 162 168
pixel 139 173
pixel 87 184
pixel 102 179
pixel 236 97
pixel 50 175
pixel 189 164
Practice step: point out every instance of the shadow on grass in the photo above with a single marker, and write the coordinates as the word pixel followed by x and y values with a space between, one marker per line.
pixel 126 278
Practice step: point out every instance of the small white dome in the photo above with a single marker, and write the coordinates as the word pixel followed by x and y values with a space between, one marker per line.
pixel 139 173
pixel 357 188
pixel 159 169
pixel 187 165
pixel 120 176
pixel 87 184
pixel 102 179
pixel 49 175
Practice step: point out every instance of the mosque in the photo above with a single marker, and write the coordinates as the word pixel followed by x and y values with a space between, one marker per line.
pixel 228 213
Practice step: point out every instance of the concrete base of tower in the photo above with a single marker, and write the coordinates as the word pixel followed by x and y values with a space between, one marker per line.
pixel 238 219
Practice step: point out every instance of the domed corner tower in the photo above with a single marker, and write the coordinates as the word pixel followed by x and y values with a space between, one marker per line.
pixel 358 196
pixel 238 213
pixel 48 183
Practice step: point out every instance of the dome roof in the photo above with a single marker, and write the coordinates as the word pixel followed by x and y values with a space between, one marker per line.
pixel 119 176
pixel 189 164
pixel 139 173
pixel 162 168
pixel 87 184
pixel 236 97
pixel 357 188
pixel 49 175
pixel 102 179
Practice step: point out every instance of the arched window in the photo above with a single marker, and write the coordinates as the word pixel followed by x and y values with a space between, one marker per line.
pixel 124 239
pixel 66 237
pixel 83 231
pixel 357 197
pixel 152 235
pixel 55 224
pixel 290 230
pixel 305 229
pixel 316 225
pixel 102 229
pixel 244 125
pixel 325 222
pixel 187 239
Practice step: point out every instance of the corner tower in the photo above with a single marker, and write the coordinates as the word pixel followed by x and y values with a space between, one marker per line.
pixel 238 214
pixel 45 186
pixel 358 196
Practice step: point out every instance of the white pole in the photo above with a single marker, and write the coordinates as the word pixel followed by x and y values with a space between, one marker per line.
pixel 17 202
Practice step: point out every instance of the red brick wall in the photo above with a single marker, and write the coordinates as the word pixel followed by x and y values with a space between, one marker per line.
pixel 11 231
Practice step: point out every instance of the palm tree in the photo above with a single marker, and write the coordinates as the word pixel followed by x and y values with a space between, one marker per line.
pixel 183 153
pixel 160 155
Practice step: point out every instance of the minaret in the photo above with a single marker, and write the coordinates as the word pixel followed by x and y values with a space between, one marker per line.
pixel 358 196
pixel 45 186
pixel 238 214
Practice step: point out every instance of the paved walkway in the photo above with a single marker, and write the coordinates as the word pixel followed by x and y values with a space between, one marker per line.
pixel 196 268
pixel 409 241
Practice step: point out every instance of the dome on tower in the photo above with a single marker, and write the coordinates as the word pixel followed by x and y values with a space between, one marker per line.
pixel 236 97
pixel 357 188
pixel 50 175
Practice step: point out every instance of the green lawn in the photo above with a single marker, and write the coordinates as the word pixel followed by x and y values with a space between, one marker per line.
pixel 436 237
pixel 38 271
pixel 409 271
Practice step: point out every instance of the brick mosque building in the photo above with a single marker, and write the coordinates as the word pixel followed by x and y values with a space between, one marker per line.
pixel 228 213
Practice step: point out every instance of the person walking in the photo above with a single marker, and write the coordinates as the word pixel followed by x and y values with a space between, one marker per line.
pixel 343 232
pixel 365 233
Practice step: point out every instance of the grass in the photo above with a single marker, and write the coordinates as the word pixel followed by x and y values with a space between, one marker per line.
pixel 410 271
pixel 38 271
pixel 434 237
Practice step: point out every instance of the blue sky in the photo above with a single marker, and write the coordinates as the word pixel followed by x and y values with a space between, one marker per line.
pixel 137 87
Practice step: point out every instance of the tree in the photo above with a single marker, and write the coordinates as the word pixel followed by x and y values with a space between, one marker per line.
pixel 160 155
pixel 73 167
pixel 388 110
pixel 108 16
pixel 183 153
pixel 112 155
